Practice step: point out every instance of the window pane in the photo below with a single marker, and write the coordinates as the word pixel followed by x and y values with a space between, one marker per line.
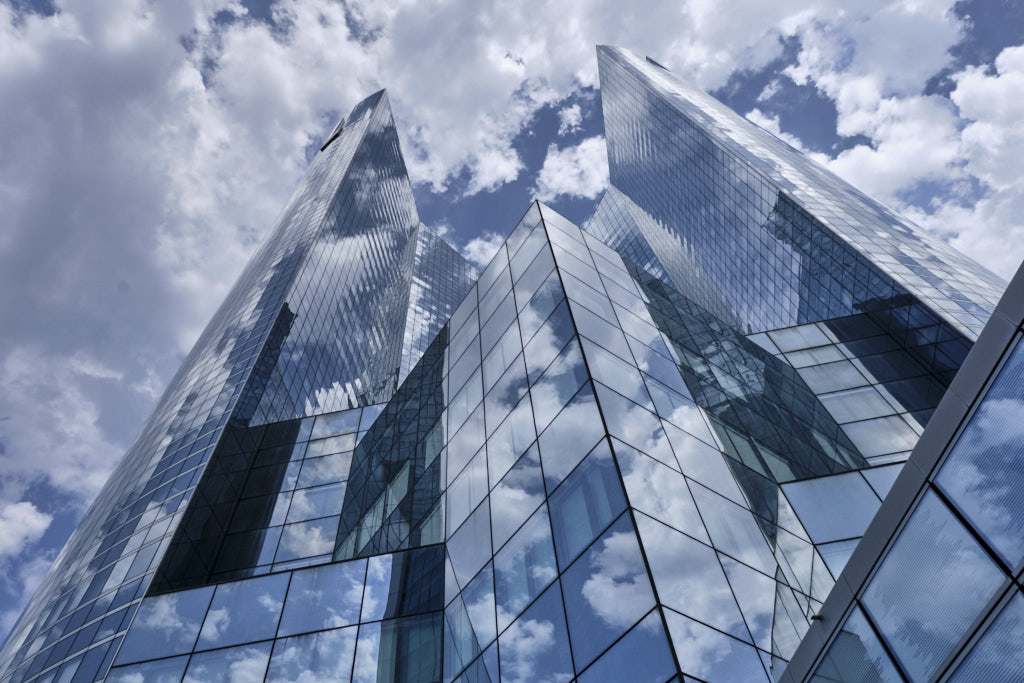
pixel 536 646
pixel 166 625
pixel 998 656
pixel 524 567
pixel 833 508
pixel 248 663
pixel 606 591
pixel 243 611
pixel 856 656
pixel 642 656
pixel 689 578
pixel 162 671
pixel 933 550
pixel 324 597
pixel 710 655
pixel 515 498
pixel 569 438
pixel 585 504
pixel 325 656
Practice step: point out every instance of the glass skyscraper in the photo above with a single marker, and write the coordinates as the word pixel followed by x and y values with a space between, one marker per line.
pixel 651 448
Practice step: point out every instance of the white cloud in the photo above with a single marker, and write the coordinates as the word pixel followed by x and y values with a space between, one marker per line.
pixel 480 250
pixel 579 171
pixel 569 119
pixel 770 123
pixel 21 523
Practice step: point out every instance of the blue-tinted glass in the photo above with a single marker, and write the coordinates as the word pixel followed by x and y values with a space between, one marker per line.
pixel 569 438
pixel 689 578
pixel 510 440
pixel 635 426
pixel 166 625
pixel 558 384
pixel 710 655
pixel 470 547
pixel 983 474
pixel 998 655
pixel 323 597
pixel 479 600
pixel 932 550
pixel 246 663
pixel 856 656
pixel 536 646
pixel 606 591
pixel 243 611
pixel 585 503
pixel 409 651
pixel 733 530
pixel 659 491
pixel 161 671
pixel 524 567
pixel 641 656
pixel 325 656
pixel 516 496
pixel 833 508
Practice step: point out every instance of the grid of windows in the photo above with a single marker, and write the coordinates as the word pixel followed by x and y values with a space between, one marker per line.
pixel 313 324
pixel 961 539
pixel 783 240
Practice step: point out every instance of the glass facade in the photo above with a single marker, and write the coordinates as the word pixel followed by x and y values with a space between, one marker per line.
pixel 646 450
pixel 335 302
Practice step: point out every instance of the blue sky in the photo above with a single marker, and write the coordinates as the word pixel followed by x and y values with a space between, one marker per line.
pixel 145 147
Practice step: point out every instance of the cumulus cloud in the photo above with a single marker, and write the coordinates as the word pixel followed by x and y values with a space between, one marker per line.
pixel 480 250
pixel 578 171
pixel 770 123
pixel 569 119
pixel 21 523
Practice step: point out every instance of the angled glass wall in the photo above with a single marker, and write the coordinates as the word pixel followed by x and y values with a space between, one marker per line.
pixel 315 323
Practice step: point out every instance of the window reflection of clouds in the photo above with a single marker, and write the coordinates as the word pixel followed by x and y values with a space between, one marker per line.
pixel 325 656
pixel 535 649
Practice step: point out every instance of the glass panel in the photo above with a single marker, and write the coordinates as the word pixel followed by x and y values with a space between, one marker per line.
pixel 984 472
pixel 328 469
pixel 161 671
pixel 882 478
pixel 932 550
pixel 524 567
pixel 856 656
pixel 881 435
pixel 466 492
pixel 515 498
pixel 832 377
pixel 551 338
pixel 166 625
pixel 710 655
pixel 558 384
pixel 617 374
pixel 635 426
pixel 510 440
pixel 602 332
pixel 314 503
pixel 244 611
pixel 570 437
pixel 324 597
pixel 480 606
pixel 248 663
pixel 307 539
pixel 326 656
pixel 606 591
pixel 335 423
pixel 470 547
pixel 658 491
pixel 688 577
pixel 585 504
pixel 998 656
pixel 505 394
pixel 536 646
pixel 833 508
pixel 501 356
pixel 642 656
pixel 837 554
pixel 733 530
pixel 755 594
pixel 856 404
